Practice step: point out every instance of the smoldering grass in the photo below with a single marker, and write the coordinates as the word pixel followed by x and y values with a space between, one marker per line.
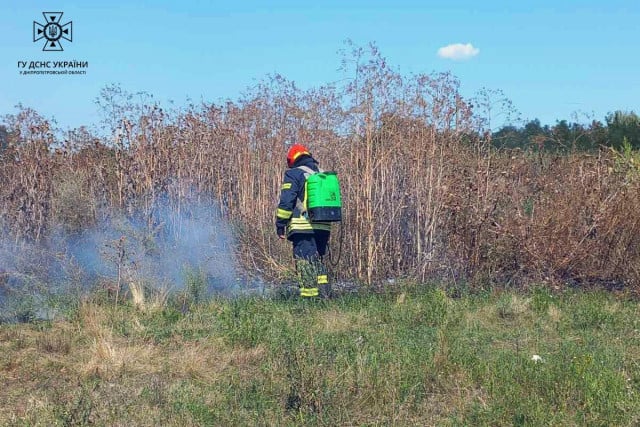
pixel 190 250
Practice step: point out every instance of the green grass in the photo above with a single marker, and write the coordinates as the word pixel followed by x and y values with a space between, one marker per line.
pixel 416 357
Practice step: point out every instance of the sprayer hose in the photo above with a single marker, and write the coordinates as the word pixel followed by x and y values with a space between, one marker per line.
pixel 340 239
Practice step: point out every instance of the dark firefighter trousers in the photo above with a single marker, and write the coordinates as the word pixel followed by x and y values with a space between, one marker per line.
pixel 308 251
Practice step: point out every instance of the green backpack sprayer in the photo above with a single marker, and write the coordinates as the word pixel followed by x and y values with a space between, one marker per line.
pixel 323 200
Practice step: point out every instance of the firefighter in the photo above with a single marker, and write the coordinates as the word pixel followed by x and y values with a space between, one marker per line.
pixel 309 238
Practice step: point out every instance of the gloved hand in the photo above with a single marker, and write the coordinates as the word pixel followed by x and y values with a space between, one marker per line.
pixel 280 232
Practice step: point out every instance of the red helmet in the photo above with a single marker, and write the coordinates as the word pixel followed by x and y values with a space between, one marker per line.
pixel 294 152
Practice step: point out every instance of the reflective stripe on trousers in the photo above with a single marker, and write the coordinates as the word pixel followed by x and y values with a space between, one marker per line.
pixel 309 292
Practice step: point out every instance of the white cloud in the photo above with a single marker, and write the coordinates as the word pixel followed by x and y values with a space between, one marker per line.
pixel 458 51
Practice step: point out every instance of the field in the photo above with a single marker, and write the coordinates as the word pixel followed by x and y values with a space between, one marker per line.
pixel 416 356
pixel 497 271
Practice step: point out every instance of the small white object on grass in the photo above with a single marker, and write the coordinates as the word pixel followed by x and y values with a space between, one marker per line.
pixel 536 358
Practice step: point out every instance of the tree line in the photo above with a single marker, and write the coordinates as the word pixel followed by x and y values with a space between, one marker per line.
pixel 619 128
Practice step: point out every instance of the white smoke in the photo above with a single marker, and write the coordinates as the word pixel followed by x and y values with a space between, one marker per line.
pixel 163 247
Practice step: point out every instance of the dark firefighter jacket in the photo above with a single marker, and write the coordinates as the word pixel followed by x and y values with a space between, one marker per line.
pixel 291 213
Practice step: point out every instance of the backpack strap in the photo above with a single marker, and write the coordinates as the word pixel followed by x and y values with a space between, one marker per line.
pixel 307 172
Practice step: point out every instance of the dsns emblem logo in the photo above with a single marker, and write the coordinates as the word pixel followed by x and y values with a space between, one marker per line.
pixel 52 31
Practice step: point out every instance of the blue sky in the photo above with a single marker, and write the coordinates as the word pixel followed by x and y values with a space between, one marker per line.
pixel 551 58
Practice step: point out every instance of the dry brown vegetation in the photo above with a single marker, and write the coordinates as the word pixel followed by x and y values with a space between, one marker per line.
pixel 425 194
